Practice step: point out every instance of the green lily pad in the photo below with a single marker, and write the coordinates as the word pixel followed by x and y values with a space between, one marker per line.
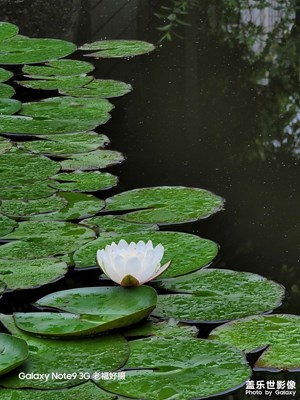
pixel 118 48
pixel 103 88
pixel 6 225
pixel 165 205
pixel 86 391
pixel 105 353
pixel 179 368
pixel 36 190
pixel 7 30
pixel 5 144
pixel 92 160
pixel 187 252
pixel 79 206
pixel 97 309
pixel 84 181
pixel 27 274
pixel 21 50
pixel 23 209
pixel 9 106
pixel 55 83
pixel 111 225
pixel 278 334
pixel 6 91
pixel 214 295
pixel 13 352
pixel 4 74
pixel 58 68
pixel 66 144
pixel 20 168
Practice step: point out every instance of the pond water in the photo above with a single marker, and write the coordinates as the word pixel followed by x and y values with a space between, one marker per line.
pixel 205 113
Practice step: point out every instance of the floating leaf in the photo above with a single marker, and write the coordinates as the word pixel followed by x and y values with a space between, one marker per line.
pixel 182 368
pixel 118 48
pixel 6 91
pixel 13 352
pixel 26 274
pixel 4 74
pixel 79 206
pixel 278 334
pixel 187 252
pixel 61 82
pixel 86 391
pixel 5 145
pixel 84 181
pixel 92 160
pixel 165 205
pixel 66 144
pixel 7 30
pixel 37 190
pixel 22 50
pixel 58 68
pixel 9 106
pixel 214 295
pixel 6 225
pixel 111 225
pixel 103 88
pixel 105 353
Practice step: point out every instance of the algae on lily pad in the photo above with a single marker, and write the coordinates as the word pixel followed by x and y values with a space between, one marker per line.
pixel 9 106
pixel 13 352
pixel 278 334
pixel 117 48
pixel 97 159
pixel 217 295
pixel 6 91
pixel 80 181
pixel 105 353
pixel 100 88
pixel 4 74
pixel 165 204
pixel 58 68
pixel 187 252
pixel 183 368
pixel 27 274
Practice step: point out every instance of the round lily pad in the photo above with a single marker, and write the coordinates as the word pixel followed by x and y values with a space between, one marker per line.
pixel 278 334
pixel 4 74
pixel 92 160
pixel 165 205
pixel 90 311
pixel 118 48
pixel 13 352
pixel 7 30
pixel 66 144
pixel 21 50
pixel 5 145
pixel 106 353
pixel 36 190
pixel 58 68
pixel 84 181
pixel 55 83
pixel 187 252
pixel 6 91
pixel 103 88
pixel 26 274
pixel 9 106
pixel 183 368
pixel 6 225
pixel 214 295
pixel 20 168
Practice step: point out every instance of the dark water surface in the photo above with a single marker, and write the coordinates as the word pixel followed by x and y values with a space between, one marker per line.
pixel 200 115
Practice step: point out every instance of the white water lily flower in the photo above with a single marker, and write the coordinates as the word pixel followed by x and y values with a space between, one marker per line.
pixel 132 264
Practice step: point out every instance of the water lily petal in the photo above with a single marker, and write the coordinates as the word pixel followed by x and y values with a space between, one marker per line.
pixel 160 270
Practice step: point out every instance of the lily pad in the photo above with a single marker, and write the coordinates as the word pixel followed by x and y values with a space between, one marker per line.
pixel 5 145
pixel 37 190
pixel 92 160
pixel 84 181
pixel 106 353
pixel 9 106
pixel 55 83
pixel 182 368
pixel 6 91
pixel 187 252
pixel 66 144
pixel 58 68
pixel 111 225
pixel 27 274
pixel 79 206
pixel 13 352
pixel 23 50
pixel 103 88
pixel 89 311
pixel 6 225
pixel 118 48
pixel 4 74
pixel 214 295
pixel 7 30
pixel 83 392
pixel 165 205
